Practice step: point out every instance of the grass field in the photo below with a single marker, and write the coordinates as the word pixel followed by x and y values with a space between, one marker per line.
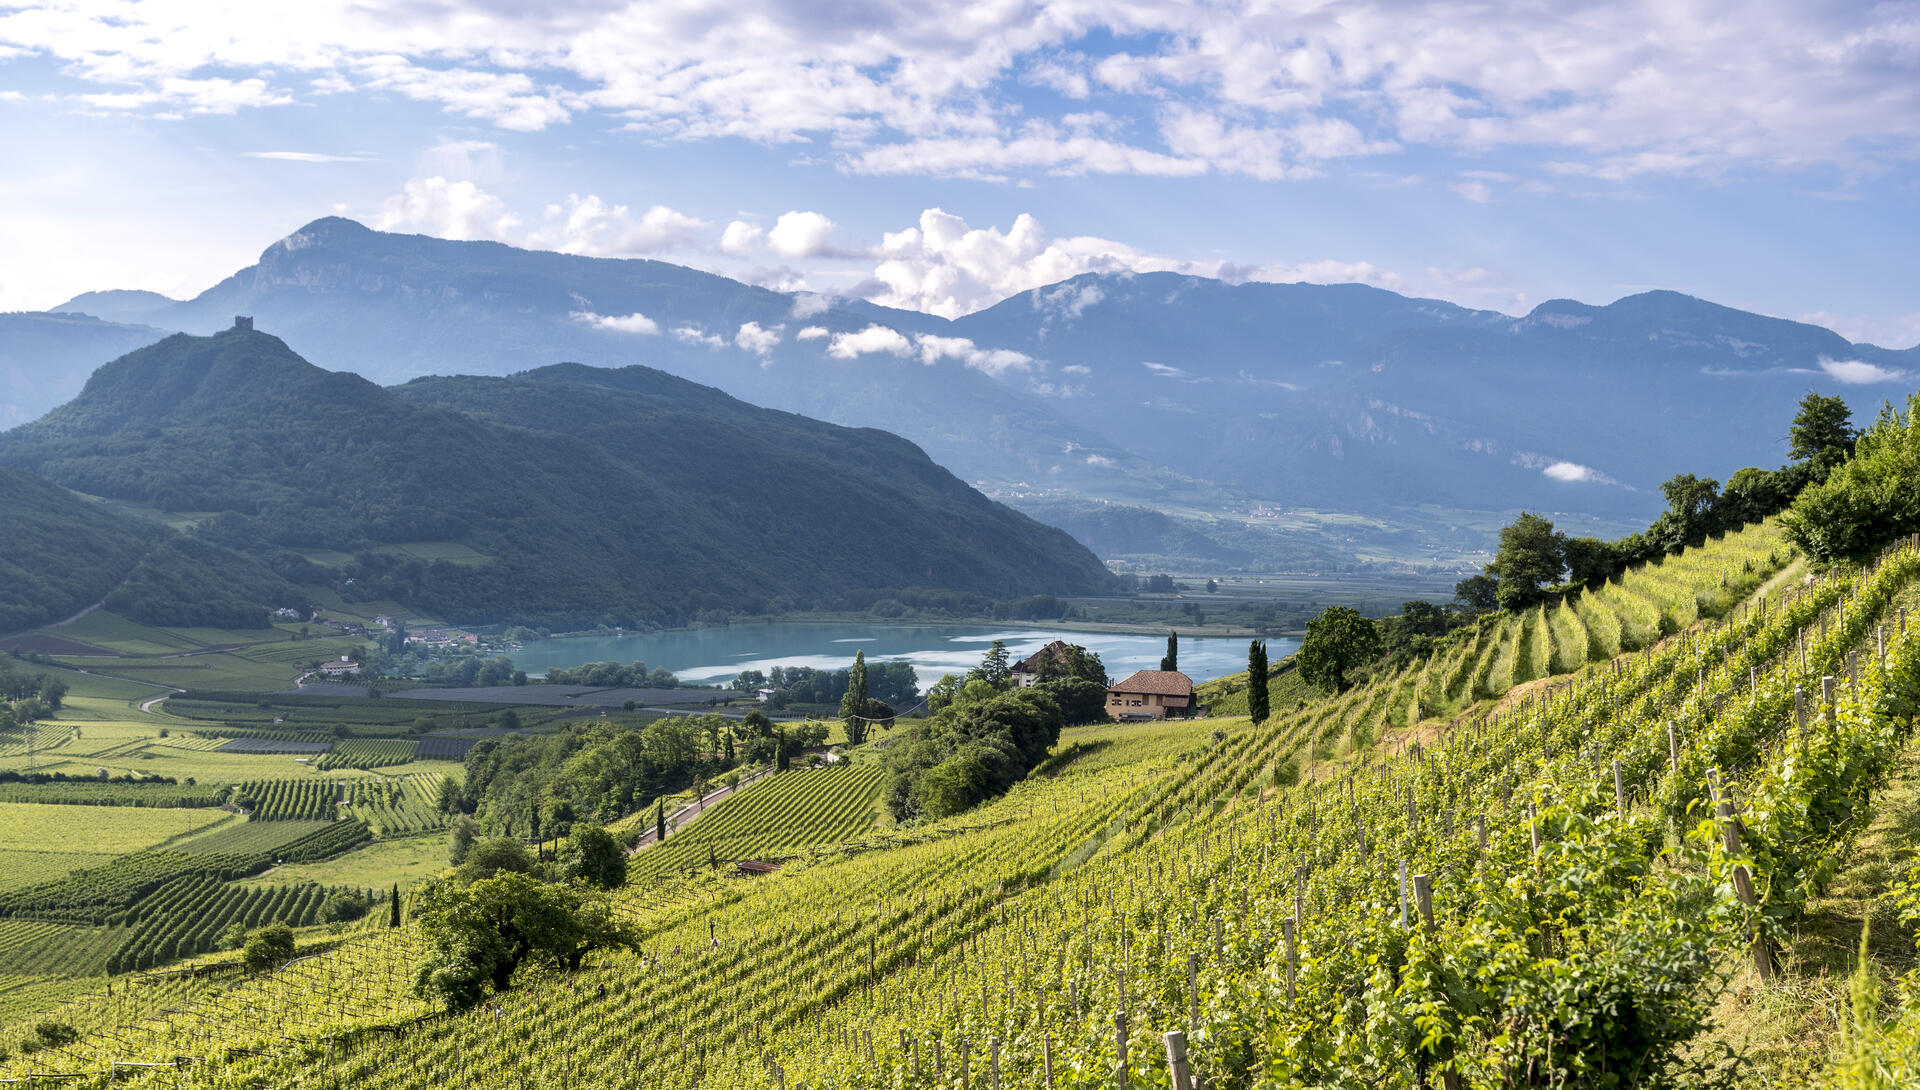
pixel 32 826
pixel 406 860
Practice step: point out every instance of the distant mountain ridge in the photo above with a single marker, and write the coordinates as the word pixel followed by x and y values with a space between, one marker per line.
pixel 578 493
pixel 1134 388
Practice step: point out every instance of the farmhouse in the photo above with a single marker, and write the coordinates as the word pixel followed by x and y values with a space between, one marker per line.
pixel 1151 694
pixel 343 668
pixel 1026 672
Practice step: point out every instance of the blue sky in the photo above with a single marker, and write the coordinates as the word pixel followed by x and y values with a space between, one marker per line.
pixel 1759 154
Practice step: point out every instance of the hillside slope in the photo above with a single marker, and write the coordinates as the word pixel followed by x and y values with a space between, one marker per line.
pixel 626 495
pixel 1508 895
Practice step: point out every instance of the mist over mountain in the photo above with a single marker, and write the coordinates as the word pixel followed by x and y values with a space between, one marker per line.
pixel 566 493
pixel 1150 389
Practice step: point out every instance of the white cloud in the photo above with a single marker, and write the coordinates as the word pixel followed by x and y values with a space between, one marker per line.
pixel 809 305
pixel 996 362
pixel 1265 90
pixel 944 266
pixel 741 238
pixel 693 334
pixel 760 342
pixel 1164 370
pixel 874 338
pixel 306 157
pixel 623 323
pixel 1860 372
pixel 457 210
pixel 1077 369
pixel 1477 192
pixel 1572 471
pixel 1100 461
pixel 591 227
pixel 799 234
pixel 811 333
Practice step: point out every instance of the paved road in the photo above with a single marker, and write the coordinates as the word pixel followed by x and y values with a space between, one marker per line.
pixel 691 812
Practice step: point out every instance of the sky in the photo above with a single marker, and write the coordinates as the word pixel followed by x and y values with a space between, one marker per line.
pixel 941 157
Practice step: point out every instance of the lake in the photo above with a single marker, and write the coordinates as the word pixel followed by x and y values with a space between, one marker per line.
pixel 711 656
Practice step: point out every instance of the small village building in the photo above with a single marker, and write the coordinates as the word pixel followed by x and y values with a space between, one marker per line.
pixel 1026 672
pixel 1151 694
pixel 344 668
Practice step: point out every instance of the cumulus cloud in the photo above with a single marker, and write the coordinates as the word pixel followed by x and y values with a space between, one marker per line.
pixel 622 323
pixel 942 265
pixel 997 361
pixel 591 227
pixel 1571 471
pixel 799 234
pixel 809 305
pixel 760 342
pixel 457 210
pixel 1860 372
pixel 1100 461
pixel 693 334
pixel 811 333
pixel 741 238
pixel 874 338
pixel 1268 91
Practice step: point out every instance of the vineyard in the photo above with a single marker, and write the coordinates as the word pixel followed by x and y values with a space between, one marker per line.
pixel 399 806
pixel 289 800
pixel 1551 889
pixel 89 793
pixel 779 816
pixel 184 917
pixel 368 753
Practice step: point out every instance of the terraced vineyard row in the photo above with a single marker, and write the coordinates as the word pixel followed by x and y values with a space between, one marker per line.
pixel 289 800
pixel 781 815
pixel 185 917
pixel 368 753
pixel 400 806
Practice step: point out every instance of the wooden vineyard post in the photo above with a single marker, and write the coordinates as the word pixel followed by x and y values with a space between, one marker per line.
pixel 993 1047
pixel 1673 748
pixel 1286 930
pixel 1120 1047
pixel 1880 645
pixel 1177 1059
pixel 1423 895
pixel 966 1048
pixel 1799 708
pixel 1403 893
pixel 1826 696
pixel 1742 881
pixel 1046 1059
pixel 1193 987
pixel 1533 828
pixel 1619 788
pixel 1480 825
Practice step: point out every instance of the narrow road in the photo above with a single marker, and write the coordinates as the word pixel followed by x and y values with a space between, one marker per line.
pixel 691 812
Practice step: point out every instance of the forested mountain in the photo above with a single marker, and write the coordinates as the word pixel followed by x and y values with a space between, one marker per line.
pixel 60 553
pixel 1156 390
pixel 574 492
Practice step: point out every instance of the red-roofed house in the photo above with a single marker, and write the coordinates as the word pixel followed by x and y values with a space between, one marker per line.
pixel 1151 694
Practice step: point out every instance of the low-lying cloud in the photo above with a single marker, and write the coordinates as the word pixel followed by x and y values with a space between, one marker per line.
pixel 621 323
pixel 1860 372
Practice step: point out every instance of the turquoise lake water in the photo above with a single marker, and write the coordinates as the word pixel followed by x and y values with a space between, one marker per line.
pixel 713 655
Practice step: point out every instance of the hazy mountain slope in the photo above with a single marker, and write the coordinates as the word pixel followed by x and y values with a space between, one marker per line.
pixel 628 495
pixel 1131 388
pixel 45 358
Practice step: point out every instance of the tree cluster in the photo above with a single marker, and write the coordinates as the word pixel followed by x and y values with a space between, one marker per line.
pixel 478 935
pixel 1535 561
pixel 1867 499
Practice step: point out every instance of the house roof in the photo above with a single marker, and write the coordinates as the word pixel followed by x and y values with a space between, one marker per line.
pixel 1031 664
pixel 1158 682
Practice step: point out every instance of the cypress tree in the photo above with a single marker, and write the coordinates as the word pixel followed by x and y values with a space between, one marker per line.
pixel 393 907
pixel 1172 659
pixel 1257 680
pixel 659 821
pixel 853 706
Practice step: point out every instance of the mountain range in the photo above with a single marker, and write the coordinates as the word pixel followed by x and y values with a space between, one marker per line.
pixel 1176 393
pixel 566 493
